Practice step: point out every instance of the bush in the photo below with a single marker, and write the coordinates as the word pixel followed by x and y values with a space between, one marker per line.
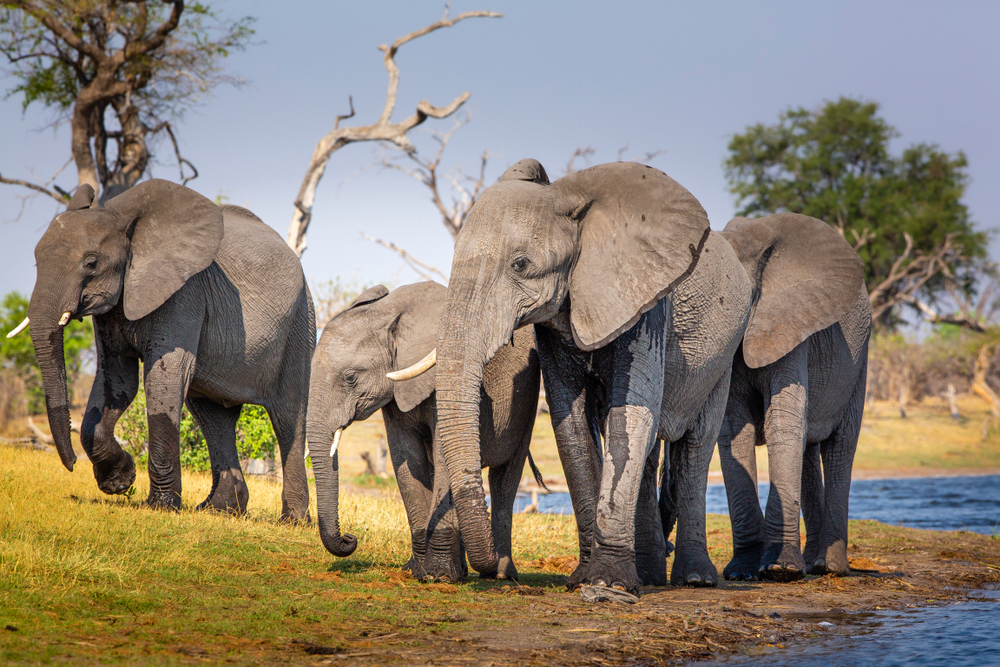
pixel 255 437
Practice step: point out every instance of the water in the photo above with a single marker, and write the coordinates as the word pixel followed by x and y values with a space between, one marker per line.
pixel 959 635
pixel 934 503
pixel 963 634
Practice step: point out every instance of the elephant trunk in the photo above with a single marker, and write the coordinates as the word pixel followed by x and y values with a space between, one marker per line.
pixel 461 358
pixel 47 338
pixel 326 467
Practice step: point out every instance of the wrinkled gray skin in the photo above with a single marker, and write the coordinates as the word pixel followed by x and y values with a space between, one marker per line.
pixel 214 304
pixel 806 404
pixel 384 332
pixel 639 310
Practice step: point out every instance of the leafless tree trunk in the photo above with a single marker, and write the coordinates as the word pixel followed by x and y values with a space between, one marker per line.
pixel 382 130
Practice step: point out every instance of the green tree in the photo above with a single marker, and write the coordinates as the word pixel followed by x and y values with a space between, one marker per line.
pixel 17 353
pixel 904 214
pixel 117 70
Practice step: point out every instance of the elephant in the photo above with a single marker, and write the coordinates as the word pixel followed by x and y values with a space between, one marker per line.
pixel 355 372
pixel 215 305
pixel 802 394
pixel 638 310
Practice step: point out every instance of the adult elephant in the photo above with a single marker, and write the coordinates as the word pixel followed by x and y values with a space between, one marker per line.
pixel 213 303
pixel 798 385
pixel 639 310
pixel 360 352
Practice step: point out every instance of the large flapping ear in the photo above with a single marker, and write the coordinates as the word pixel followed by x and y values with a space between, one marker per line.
pixel 176 234
pixel 805 275
pixel 82 198
pixel 526 170
pixel 641 234
pixel 371 294
pixel 412 336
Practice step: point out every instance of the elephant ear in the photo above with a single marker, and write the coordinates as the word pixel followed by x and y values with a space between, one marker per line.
pixel 641 234
pixel 525 170
pixel 412 336
pixel 176 233
pixel 82 198
pixel 805 275
pixel 369 295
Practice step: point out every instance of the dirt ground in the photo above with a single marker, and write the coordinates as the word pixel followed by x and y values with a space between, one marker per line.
pixel 893 568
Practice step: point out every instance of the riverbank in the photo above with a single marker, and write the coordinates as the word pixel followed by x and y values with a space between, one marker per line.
pixel 87 577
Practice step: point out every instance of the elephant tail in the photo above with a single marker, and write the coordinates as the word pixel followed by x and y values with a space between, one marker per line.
pixel 536 472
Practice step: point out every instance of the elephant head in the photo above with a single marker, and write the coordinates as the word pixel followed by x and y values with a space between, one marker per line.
pixel 589 254
pixel 805 277
pixel 380 333
pixel 138 250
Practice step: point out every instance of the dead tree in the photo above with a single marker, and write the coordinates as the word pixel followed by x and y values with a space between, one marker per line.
pixel 382 130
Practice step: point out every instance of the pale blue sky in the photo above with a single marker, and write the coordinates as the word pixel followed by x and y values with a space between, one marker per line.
pixel 545 79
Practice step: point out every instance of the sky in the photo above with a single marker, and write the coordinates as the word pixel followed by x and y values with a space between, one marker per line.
pixel 546 79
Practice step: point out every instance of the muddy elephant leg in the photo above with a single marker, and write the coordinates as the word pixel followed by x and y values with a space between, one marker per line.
pixel 409 452
pixel 785 434
pixel 218 423
pixel 737 444
pixel 650 541
pixel 168 375
pixel 578 438
pixel 838 459
pixel 812 502
pixel 692 566
pixel 444 552
pixel 115 385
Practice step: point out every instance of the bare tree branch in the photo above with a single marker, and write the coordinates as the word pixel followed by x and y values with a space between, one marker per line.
pixel 57 193
pixel 177 152
pixel 909 273
pixel 381 130
pixel 578 153
pixel 424 270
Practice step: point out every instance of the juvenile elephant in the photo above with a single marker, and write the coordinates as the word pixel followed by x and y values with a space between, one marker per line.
pixel 798 385
pixel 638 310
pixel 379 334
pixel 214 304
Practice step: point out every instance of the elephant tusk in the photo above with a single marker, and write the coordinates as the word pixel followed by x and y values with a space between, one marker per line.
pixel 65 318
pixel 416 369
pixel 18 329
pixel 336 441
pixel 306 454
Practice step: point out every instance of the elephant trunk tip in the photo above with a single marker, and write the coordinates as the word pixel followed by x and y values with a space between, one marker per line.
pixel 340 546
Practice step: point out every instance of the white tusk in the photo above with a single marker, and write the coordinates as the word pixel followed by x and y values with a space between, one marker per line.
pixel 18 329
pixel 336 441
pixel 65 318
pixel 306 455
pixel 416 369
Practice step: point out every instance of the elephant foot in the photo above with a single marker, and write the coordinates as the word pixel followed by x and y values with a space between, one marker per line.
pixel 164 499
pixel 693 567
pixel 652 570
pixel 229 493
pixel 295 515
pixel 452 572
pixel 505 570
pixel 782 563
pixel 744 565
pixel 811 552
pixel 115 475
pixel 609 572
pixel 834 561
pixel 415 567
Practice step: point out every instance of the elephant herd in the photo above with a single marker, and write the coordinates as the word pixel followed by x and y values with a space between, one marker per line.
pixel 648 329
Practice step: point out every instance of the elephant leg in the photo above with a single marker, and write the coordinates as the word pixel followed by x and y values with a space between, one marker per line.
pixel 218 423
pixel 838 459
pixel 737 443
pixel 444 552
pixel 115 385
pixel 289 421
pixel 168 375
pixel 577 436
pixel 785 434
pixel 504 480
pixel 692 566
pixel 650 543
pixel 812 502
pixel 409 452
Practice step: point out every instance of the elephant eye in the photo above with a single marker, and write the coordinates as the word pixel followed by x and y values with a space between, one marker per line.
pixel 90 263
pixel 351 378
pixel 519 264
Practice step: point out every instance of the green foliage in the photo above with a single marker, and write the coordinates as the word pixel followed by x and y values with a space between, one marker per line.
pixel 255 437
pixel 834 164
pixel 17 353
